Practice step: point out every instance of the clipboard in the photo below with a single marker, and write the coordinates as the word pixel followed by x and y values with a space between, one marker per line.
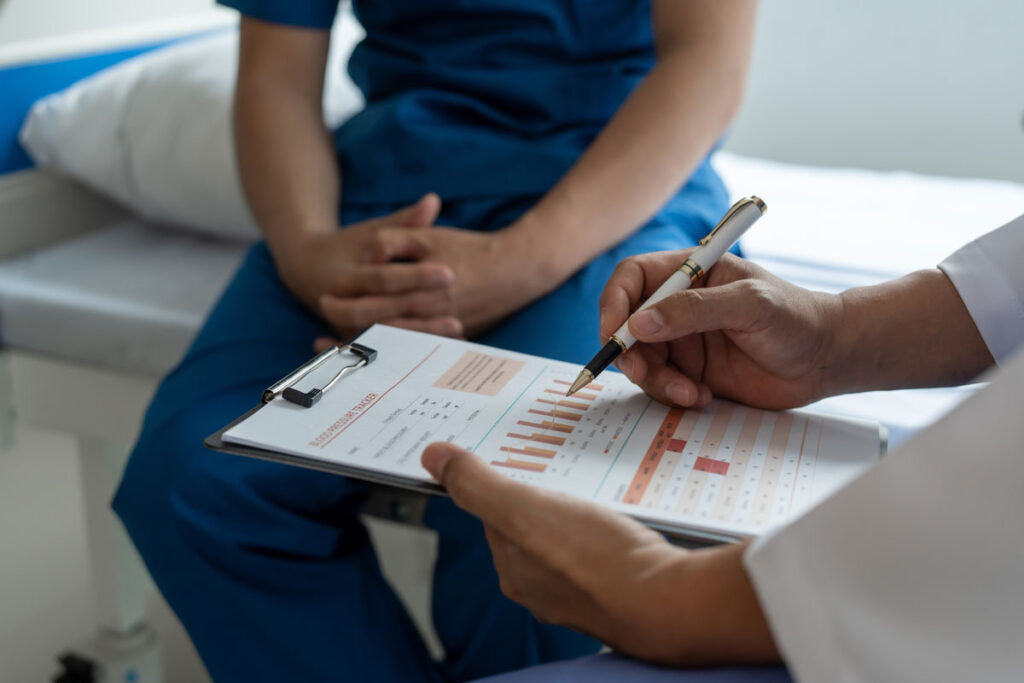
pixel 403 500
pixel 395 498
pixel 398 493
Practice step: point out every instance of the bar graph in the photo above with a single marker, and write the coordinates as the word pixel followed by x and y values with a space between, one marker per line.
pixel 551 418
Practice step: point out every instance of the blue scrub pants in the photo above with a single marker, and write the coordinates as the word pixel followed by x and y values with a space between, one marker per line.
pixel 267 565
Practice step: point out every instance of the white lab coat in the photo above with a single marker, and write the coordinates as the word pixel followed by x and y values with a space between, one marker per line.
pixel 915 570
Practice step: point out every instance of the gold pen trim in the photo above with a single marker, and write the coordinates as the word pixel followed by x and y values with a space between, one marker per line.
pixel 692 270
pixel 753 199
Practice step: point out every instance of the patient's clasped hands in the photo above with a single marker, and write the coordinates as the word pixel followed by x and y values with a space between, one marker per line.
pixel 402 270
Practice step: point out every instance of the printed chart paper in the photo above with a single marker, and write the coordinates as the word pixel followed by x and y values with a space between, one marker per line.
pixel 727 468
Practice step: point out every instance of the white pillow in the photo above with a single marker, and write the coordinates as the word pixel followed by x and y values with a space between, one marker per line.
pixel 154 132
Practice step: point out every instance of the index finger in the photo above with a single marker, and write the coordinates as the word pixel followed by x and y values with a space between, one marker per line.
pixel 392 278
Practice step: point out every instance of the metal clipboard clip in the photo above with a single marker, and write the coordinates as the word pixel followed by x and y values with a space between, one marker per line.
pixel 285 387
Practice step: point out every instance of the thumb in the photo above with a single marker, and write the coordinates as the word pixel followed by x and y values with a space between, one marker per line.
pixel 436 457
pixel 734 306
pixel 421 214
pixel 474 486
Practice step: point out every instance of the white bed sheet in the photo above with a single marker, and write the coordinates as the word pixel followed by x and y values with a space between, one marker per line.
pixel 128 297
pixel 873 222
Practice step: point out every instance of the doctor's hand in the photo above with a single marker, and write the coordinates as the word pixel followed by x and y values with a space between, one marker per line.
pixel 741 333
pixel 575 564
pixel 374 271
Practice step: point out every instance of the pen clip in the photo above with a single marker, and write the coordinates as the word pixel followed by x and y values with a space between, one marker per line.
pixel 742 203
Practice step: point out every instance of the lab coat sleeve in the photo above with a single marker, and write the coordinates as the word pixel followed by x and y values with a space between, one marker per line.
pixel 914 571
pixel 989 276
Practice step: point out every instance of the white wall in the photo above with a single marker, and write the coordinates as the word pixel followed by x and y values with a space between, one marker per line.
pixel 26 20
pixel 929 85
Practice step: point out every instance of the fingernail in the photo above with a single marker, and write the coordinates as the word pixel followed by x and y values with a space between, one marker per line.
pixel 648 321
pixel 680 394
pixel 435 458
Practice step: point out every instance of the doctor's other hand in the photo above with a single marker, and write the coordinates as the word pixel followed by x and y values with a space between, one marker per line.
pixel 374 271
pixel 741 333
pixel 576 564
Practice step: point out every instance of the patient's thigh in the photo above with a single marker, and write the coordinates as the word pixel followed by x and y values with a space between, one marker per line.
pixel 256 333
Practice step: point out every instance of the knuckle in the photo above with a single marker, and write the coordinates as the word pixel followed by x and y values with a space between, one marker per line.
pixel 383 243
pixel 342 283
pixel 758 292
pixel 681 309
pixel 378 279
pixel 358 315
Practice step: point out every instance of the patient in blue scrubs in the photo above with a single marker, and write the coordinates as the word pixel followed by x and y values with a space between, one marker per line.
pixel 510 154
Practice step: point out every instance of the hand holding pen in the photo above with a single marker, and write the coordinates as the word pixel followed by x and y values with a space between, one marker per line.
pixel 736 221
pixel 741 333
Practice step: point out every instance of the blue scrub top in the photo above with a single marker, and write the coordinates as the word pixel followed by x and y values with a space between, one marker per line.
pixel 476 98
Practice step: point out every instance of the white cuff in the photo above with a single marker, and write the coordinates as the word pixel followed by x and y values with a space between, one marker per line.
pixel 989 277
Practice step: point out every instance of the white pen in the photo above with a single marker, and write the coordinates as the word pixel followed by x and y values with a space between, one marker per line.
pixel 736 221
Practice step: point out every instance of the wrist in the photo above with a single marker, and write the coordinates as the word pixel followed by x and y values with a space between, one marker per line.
pixel 537 237
pixel 863 333
pixel 839 342
pixel 296 263
pixel 291 248
pixel 721 619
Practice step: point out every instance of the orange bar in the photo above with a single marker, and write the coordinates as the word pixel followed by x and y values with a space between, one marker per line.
pixel 520 465
pixel 644 473
pixel 578 394
pixel 557 413
pixel 564 404
pixel 595 387
pixel 529 450
pixel 565 429
pixel 543 438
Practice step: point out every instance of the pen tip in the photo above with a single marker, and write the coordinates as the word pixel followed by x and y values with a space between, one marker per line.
pixel 582 380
